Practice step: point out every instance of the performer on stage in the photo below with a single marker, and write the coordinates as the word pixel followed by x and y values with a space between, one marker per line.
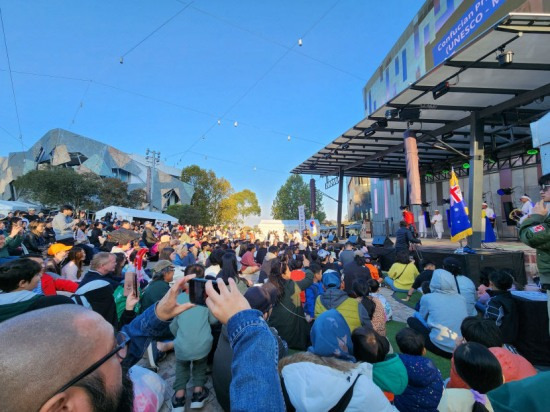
pixel 422 224
pixel 408 217
pixel 488 218
pixel 437 221
pixel 526 208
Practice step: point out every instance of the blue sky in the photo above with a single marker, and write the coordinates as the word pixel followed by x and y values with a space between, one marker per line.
pixel 237 61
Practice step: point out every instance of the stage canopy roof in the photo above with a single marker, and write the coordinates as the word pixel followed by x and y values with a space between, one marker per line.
pixel 507 97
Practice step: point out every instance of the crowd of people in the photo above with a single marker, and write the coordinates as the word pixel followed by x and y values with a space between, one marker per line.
pixel 291 325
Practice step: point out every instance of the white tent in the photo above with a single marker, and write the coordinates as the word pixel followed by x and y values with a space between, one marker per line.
pixel 7 206
pixel 124 213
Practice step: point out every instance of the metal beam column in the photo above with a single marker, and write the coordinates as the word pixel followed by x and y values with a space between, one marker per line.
pixel 475 189
pixel 339 231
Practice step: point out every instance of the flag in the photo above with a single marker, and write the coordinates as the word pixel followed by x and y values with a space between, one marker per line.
pixel 313 227
pixel 459 221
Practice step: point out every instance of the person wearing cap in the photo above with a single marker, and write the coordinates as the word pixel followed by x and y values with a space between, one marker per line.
pixel 31 216
pixel 437 222
pixel 526 208
pixel 335 297
pixel 327 261
pixel 260 299
pixel 59 252
pixel 163 273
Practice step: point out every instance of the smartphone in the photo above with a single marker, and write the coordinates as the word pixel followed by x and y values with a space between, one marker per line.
pixel 130 283
pixel 197 290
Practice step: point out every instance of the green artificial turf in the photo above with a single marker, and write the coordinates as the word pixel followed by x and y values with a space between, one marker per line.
pixel 392 327
pixel 411 303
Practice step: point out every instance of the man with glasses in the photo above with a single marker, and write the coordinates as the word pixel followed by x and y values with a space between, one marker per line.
pixel 35 345
pixel 535 232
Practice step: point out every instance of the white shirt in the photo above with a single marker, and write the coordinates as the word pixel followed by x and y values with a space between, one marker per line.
pixel 437 220
pixel 527 208
pixel 490 213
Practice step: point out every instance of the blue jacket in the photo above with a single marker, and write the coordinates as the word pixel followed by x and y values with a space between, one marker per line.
pixel 425 386
pixel 312 292
pixel 189 259
pixel 255 355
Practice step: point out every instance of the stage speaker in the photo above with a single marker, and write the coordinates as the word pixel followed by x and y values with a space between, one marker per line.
pixel 384 241
pixel 352 239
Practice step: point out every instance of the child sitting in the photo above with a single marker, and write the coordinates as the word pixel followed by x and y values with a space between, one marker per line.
pixel 501 308
pixel 485 332
pixel 482 290
pixel 372 305
pixel 480 369
pixel 374 287
pixel 388 371
pixel 314 290
pixel 425 387
pixel 192 344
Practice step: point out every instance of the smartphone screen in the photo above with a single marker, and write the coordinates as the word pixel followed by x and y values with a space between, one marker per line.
pixel 197 291
pixel 130 283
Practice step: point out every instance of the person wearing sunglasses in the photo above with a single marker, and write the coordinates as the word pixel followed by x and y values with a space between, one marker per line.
pixel 535 232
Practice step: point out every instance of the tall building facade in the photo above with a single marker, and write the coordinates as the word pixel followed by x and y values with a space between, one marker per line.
pixel 62 148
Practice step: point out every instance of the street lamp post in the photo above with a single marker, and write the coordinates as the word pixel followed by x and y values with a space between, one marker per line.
pixel 153 159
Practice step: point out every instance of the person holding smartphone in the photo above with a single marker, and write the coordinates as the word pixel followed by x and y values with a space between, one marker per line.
pixel 192 344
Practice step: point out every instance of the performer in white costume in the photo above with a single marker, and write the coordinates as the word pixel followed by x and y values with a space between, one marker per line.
pixel 437 221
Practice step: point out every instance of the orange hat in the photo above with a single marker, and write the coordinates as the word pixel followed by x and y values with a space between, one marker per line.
pixel 58 247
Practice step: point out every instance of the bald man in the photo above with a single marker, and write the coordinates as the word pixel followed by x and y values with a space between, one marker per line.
pixel 34 345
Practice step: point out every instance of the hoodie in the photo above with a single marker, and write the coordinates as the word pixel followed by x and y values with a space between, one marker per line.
pixel 390 375
pixel 443 310
pixel 307 379
pixel 425 386
pixel 353 311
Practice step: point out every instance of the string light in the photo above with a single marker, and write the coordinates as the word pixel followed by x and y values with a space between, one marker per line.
pixel 300 42
pixel 219 122
pixel 236 123
pixel 288 138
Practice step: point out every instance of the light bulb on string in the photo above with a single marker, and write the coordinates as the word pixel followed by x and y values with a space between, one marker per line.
pixel 219 122
pixel 254 168
pixel 288 138
pixel 236 123
pixel 121 60
pixel 300 42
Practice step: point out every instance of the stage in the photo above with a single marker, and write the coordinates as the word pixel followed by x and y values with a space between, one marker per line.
pixel 500 255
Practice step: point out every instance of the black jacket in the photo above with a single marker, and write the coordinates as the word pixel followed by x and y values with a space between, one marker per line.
pixel 34 243
pixel 502 309
pixel 403 237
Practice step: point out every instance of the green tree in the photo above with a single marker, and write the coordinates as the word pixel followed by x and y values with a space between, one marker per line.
pixel 246 204
pixel 210 192
pixel 114 192
pixel 58 186
pixel 293 193
pixel 186 214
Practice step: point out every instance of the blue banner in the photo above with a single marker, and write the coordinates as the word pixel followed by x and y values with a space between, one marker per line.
pixel 470 21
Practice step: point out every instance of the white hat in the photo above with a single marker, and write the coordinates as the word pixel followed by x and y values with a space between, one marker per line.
pixel 484 204
pixel 525 197
pixel 436 210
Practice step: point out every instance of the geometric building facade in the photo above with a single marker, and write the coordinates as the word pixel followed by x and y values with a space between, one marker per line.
pixel 60 147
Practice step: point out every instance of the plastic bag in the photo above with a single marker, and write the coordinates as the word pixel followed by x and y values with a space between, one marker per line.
pixel 149 389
